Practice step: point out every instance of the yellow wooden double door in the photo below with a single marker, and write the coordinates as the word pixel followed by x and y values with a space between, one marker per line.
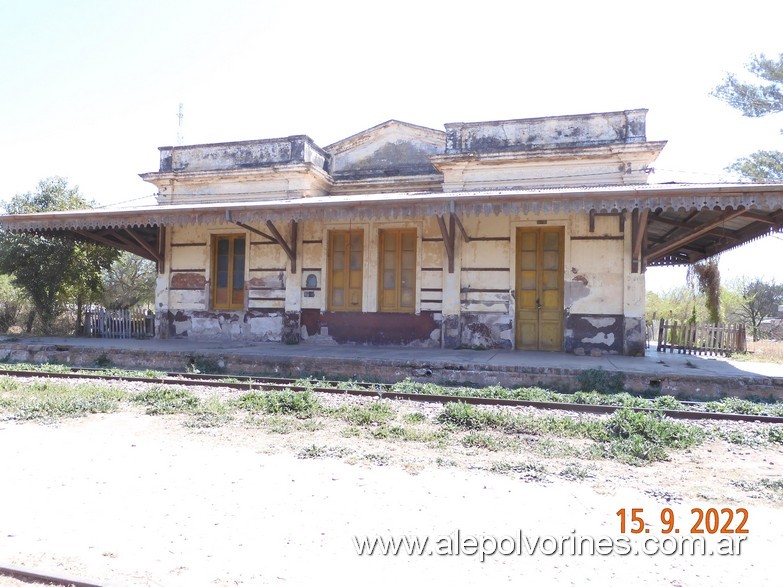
pixel 539 288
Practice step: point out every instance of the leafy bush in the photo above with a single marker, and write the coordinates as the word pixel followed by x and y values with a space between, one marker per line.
pixel 776 435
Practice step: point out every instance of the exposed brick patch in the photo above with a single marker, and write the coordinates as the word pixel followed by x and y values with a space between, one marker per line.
pixel 188 281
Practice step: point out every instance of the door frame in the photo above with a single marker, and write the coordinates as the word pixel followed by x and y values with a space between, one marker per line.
pixel 560 221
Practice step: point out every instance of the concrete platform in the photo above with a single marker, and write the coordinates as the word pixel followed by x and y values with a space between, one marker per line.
pixel 681 375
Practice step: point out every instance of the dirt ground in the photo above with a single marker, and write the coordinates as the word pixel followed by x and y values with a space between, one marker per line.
pixel 131 499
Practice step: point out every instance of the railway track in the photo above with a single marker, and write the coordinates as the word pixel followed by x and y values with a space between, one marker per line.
pixel 381 390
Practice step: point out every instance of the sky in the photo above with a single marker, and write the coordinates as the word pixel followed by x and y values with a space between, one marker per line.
pixel 91 88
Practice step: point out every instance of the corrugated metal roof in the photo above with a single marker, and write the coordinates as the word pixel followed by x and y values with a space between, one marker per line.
pixel 676 197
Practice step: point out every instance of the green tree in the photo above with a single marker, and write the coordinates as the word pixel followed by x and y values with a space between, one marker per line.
pixel 678 304
pixel 129 281
pixel 53 271
pixel 755 100
pixel 13 302
pixel 756 301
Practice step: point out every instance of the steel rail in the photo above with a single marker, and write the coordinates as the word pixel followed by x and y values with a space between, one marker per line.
pixel 34 576
pixel 384 391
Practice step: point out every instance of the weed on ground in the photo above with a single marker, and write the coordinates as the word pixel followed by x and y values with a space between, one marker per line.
pixel 50 400
pixel 166 400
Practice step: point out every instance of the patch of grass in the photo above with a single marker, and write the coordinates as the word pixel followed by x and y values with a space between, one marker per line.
pixel 607 394
pixel 764 486
pixel 278 424
pixel 775 435
pixel 734 405
pixel 312 452
pixel 50 400
pixel 302 404
pixel 576 472
pixel 667 402
pixel 166 400
pixel 641 437
pixel 350 432
pixel 633 450
pixel 471 417
pixel 552 448
pixel 311 424
pixel 373 413
pixel 745 436
pixel 43 367
pixel 468 416
pixel 653 427
pixel 407 434
pixel 487 442
pixel 315 451
pixel 210 413
pixel 415 418
pixel 527 471
pixel 627 435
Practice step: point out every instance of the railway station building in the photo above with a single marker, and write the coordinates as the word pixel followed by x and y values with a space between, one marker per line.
pixel 529 234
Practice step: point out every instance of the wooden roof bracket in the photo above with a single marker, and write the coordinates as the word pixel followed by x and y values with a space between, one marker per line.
pixel 275 237
pixel 119 243
pixel 465 236
pixel 153 251
pixel 450 234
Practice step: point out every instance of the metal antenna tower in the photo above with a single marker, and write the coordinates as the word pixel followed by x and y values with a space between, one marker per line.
pixel 180 136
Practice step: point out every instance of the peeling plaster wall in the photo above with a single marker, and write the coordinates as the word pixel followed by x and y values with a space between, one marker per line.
pixel 183 291
pixel 486 284
pixel 472 307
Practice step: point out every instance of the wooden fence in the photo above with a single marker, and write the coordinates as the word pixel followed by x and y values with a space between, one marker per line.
pixel 103 323
pixel 701 339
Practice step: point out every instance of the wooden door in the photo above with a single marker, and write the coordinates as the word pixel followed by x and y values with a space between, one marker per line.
pixel 539 288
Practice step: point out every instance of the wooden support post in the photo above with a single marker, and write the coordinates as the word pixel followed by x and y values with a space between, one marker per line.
pixel 161 249
pixel 638 234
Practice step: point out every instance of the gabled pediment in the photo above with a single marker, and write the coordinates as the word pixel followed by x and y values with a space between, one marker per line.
pixel 390 149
